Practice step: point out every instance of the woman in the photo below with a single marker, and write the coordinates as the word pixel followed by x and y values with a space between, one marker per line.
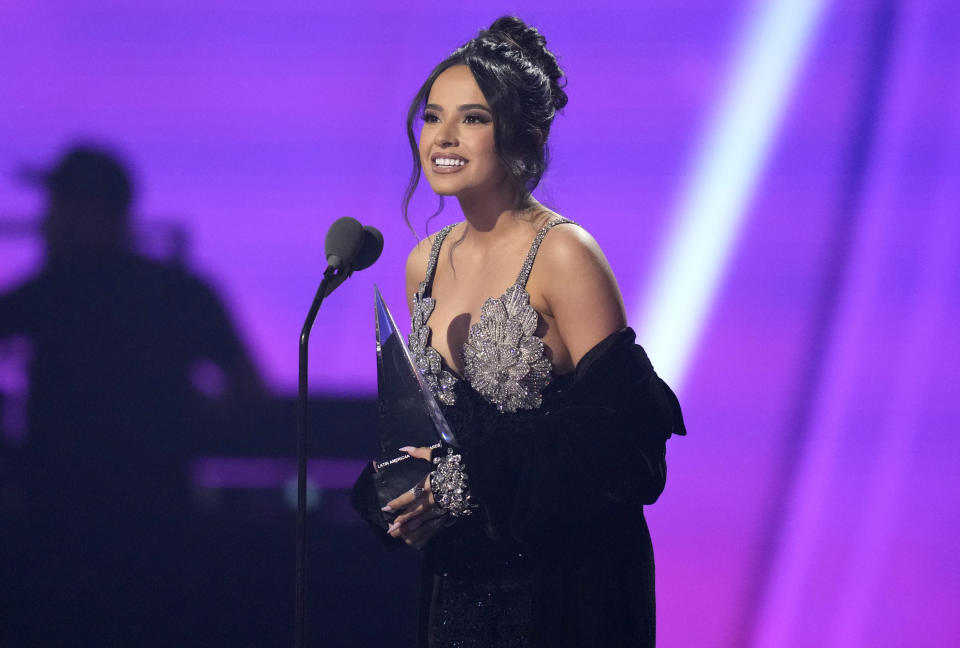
pixel 533 529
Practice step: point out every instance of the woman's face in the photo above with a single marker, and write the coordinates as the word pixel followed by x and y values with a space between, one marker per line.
pixel 457 149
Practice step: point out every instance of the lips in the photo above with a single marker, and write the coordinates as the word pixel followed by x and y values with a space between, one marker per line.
pixel 447 162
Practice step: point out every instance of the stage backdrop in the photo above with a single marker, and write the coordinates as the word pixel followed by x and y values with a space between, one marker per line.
pixel 774 183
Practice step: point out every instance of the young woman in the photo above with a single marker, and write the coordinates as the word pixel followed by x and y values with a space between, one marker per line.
pixel 533 529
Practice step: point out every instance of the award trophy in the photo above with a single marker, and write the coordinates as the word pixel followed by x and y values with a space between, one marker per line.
pixel 409 413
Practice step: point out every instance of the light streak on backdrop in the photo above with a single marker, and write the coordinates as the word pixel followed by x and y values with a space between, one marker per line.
pixel 713 203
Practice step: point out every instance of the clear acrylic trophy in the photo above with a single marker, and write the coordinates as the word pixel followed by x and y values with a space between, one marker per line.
pixel 409 413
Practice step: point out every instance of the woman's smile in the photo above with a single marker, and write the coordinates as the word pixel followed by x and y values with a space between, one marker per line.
pixel 448 163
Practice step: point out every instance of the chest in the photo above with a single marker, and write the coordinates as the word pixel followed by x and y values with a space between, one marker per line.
pixel 475 321
pixel 458 301
pixel 457 308
pixel 460 291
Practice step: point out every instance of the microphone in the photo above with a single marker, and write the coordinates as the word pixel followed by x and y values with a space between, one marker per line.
pixel 344 240
pixel 370 248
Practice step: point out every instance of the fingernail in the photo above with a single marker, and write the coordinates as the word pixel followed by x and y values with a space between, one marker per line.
pixel 406 448
pixel 392 527
pixel 387 509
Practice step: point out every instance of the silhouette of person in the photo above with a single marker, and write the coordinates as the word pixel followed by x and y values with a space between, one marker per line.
pixel 115 340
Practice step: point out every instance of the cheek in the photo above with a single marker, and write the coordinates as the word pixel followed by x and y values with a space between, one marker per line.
pixel 488 154
pixel 489 147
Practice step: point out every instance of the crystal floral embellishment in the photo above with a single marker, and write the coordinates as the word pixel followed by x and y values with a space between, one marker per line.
pixel 427 359
pixel 504 360
pixel 449 485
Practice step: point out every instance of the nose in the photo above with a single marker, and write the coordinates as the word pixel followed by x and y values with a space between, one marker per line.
pixel 446 135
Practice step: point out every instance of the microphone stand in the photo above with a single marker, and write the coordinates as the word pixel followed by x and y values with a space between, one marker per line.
pixel 331 279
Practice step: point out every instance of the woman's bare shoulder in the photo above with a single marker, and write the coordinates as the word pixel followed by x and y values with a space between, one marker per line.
pixel 579 287
pixel 420 254
pixel 569 247
pixel 417 260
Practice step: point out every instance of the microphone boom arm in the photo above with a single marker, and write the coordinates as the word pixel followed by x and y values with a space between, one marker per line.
pixel 332 278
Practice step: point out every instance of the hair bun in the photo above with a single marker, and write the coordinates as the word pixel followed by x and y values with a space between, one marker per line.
pixel 533 47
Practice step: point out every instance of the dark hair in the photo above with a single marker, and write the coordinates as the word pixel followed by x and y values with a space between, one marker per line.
pixel 522 82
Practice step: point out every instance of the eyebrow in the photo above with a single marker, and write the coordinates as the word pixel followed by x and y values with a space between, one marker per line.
pixel 462 108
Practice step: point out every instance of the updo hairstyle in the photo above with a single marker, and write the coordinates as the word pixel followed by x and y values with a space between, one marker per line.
pixel 522 82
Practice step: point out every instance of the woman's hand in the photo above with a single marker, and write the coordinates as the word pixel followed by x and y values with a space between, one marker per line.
pixel 419 517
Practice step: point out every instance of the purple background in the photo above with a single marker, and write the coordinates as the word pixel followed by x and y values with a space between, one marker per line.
pixel 816 500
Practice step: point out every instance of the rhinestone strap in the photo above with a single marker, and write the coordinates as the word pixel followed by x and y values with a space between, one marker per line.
pixel 449 485
pixel 532 254
pixel 427 284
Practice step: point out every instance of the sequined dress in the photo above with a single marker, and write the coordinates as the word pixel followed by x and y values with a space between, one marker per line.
pixel 481 588
pixel 557 554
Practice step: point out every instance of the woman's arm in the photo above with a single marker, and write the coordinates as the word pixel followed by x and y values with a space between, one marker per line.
pixel 416 268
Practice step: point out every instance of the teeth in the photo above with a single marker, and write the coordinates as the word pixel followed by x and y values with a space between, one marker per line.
pixel 449 162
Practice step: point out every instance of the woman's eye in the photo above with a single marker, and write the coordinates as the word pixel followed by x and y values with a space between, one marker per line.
pixel 430 118
pixel 476 119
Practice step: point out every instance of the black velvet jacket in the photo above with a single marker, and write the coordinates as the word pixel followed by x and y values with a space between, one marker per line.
pixel 566 484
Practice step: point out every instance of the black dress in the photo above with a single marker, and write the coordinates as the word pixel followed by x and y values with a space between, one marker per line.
pixel 557 553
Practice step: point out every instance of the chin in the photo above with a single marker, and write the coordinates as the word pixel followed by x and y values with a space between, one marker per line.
pixel 444 189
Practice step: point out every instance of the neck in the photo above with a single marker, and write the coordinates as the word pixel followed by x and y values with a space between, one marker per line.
pixel 493 215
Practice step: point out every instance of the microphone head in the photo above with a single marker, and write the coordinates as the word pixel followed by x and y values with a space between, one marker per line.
pixel 344 240
pixel 370 248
